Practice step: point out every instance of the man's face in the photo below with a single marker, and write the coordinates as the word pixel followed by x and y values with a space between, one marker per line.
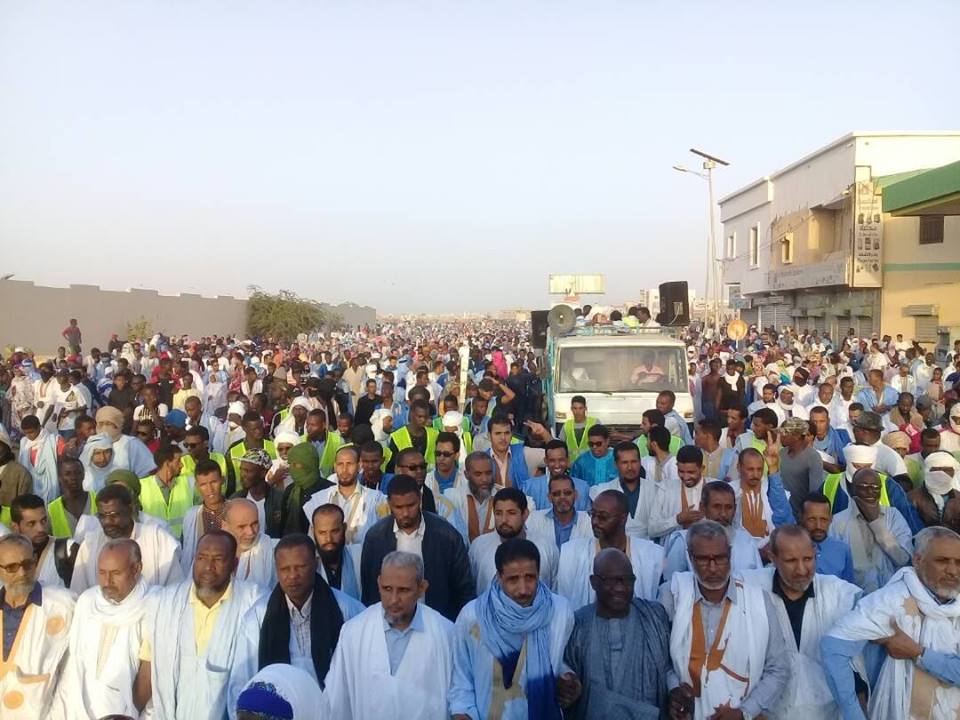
pixel 859 435
pixel 480 406
pixel 905 405
pixel 563 496
pixel 316 427
pixel 149 395
pixel 509 519
pixel 330 534
pixel 209 488
pixel 18 569
pixel 720 507
pixel 939 567
pixel 710 559
pixel 557 461
pixel 866 487
pixel 344 426
pixel 821 422
pixel 413 465
pixel 35 524
pixel 796 561
pixel 825 393
pixel 760 428
pixel 71 478
pixel 174 466
pixel 664 404
pixel 193 409
pixel 645 425
pixel 399 593
pixel 405 510
pixel 198 448
pixel 875 379
pixel 606 518
pixel 751 470
pixel 614 588
pixel 480 478
pixel 628 465
pixel 579 411
pixel 116 519
pixel 419 418
pixel 816 519
pixel 768 395
pixel 519 581
pixel 734 420
pixel 253 429
pixel 213 564
pixel 370 464
pixel 786 397
pixel 599 446
pixel 500 438
pixel 690 474
pixel 846 388
pixel 446 457
pixel 117 574
pixel 32 433
pixel 346 466
pixel 251 474
pixel 929 445
pixel 243 522
pixel 296 567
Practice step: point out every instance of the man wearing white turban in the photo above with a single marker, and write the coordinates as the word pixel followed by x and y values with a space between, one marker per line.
pixel 938 501
pixel 129 453
pixel 97 457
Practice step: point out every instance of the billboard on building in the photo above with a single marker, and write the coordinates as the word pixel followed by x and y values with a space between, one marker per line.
pixel 867 236
pixel 577 284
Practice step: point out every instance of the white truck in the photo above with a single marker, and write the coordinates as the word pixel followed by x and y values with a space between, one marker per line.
pixel 619 371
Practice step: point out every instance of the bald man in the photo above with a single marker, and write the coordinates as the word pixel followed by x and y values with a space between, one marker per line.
pixel 241 519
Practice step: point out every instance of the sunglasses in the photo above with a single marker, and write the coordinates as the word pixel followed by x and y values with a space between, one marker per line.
pixel 445 453
pixel 421 466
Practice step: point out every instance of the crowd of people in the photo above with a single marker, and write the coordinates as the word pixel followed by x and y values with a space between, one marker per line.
pixel 359 525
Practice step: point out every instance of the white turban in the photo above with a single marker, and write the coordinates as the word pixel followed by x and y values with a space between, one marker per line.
pixel 95 478
pixel 376 423
pixel 937 481
pixel 237 408
pixel 453 419
pixel 300 402
pixel 286 437
pixel 858 455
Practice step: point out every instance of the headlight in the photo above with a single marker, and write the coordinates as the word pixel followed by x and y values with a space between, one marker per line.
pixel 560 415
pixel 688 416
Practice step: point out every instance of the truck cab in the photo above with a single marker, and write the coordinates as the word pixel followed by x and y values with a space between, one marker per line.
pixel 620 371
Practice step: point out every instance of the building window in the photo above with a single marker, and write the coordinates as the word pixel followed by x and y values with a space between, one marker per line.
pixel 755 246
pixel 925 328
pixel 731 246
pixel 931 229
pixel 786 249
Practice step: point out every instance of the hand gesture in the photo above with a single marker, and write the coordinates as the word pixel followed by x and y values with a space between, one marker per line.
pixel 568 689
pixel 686 518
pixel 771 453
pixel 869 510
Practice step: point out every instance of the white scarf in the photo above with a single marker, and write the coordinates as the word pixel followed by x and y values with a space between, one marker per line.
pixel 732 380
pixel 95 477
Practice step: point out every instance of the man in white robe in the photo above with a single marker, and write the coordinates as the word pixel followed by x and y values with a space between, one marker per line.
pixel 632 476
pixel 380 667
pixel 106 637
pixel 519 627
pixel 815 604
pixel 339 563
pixel 561 521
pixel 38 454
pixel 29 518
pixel 726 645
pixel 160 551
pixel 254 549
pixel 298 623
pixel 675 502
pixel 192 636
pixel 358 502
pixel 718 501
pixel 129 453
pixel 39 618
pixel 915 618
pixel 609 519
pixel 510 513
pixel 879 538
pixel 473 501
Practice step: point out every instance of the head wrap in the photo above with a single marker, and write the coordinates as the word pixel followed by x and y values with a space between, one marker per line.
pixel 304 475
pixel 285 437
pixel 281 691
pixel 376 423
pixel 257 457
pixel 130 480
pixel 301 402
pixel 897 439
pixel 452 418
pixel 94 477
pixel 236 408
pixel 794 426
pixel 858 455
pixel 113 416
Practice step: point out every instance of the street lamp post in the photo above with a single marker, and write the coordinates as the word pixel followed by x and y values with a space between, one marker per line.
pixel 714 277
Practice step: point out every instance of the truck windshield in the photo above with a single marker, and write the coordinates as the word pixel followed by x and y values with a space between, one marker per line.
pixel 621 369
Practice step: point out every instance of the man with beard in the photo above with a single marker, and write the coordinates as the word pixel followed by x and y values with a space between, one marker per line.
pixel 726 645
pixel 718 503
pixel 129 453
pixel 106 636
pixel 914 618
pixel 297 624
pixel 370 678
pixel 808 604
pixel 674 502
pixel 473 502
pixel 36 630
pixel 359 503
pixel 561 521
pixel 339 563
pixel 619 652
pixel 191 636
pixel 510 515
pixel 254 549
pixel 54 557
pixel 115 511
pixel 609 519
pixel 833 555
pixel 558 465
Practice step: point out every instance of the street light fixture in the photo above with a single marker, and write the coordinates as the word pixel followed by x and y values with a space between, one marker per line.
pixel 714 278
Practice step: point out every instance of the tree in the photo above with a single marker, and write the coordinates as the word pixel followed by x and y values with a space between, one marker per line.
pixel 282 316
pixel 139 330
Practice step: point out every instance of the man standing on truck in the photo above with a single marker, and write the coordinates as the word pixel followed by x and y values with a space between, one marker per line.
pixel 575 429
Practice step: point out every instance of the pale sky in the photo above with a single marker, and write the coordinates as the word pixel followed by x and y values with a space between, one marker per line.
pixel 425 156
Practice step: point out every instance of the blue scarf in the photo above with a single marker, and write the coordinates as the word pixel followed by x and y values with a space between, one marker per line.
pixel 503 626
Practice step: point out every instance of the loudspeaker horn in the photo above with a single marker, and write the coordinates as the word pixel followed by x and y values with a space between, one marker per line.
pixel 561 319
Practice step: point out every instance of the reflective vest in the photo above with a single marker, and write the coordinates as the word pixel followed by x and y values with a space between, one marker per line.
pixel 171 510
pixel 59 525
pixel 401 438
pixel 573 447
pixel 675 445
pixel 5 516
pixel 190 465
pixel 832 483
pixel 240 449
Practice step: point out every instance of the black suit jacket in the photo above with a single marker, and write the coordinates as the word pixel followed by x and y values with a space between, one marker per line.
pixel 445 563
pixel 272 510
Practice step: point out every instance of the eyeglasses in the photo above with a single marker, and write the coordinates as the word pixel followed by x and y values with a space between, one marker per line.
pixel 706 560
pixel 597 443
pixel 612 581
pixel 421 466
pixel 191 446
pixel 25 565
pixel 445 453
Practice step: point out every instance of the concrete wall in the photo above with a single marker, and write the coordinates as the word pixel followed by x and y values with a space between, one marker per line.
pixel 33 316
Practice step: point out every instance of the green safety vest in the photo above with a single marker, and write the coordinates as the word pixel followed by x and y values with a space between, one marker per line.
pixel 329 457
pixel 171 510
pixel 573 447
pixel 240 449
pixel 5 515
pixel 401 438
pixel 438 423
pixel 190 465
pixel 59 525
pixel 832 483
pixel 641 442
pixel 915 471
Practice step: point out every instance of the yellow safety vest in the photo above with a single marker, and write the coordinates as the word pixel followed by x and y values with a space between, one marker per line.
pixel 5 515
pixel 401 438
pixel 832 483
pixel 240 449
pixel 171 510
pixel 59 525
pixel 641 442
pixel 190 465
pixel 573 447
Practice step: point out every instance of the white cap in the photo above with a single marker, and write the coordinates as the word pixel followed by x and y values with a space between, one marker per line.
pixel 285 437
pixel 452 418
pixel 236 408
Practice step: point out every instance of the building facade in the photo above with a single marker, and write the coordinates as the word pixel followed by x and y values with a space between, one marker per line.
pixel 811 247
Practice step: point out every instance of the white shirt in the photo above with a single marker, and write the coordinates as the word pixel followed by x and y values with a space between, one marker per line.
pixel 410 542
pixel 300 649
pixel 261 511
